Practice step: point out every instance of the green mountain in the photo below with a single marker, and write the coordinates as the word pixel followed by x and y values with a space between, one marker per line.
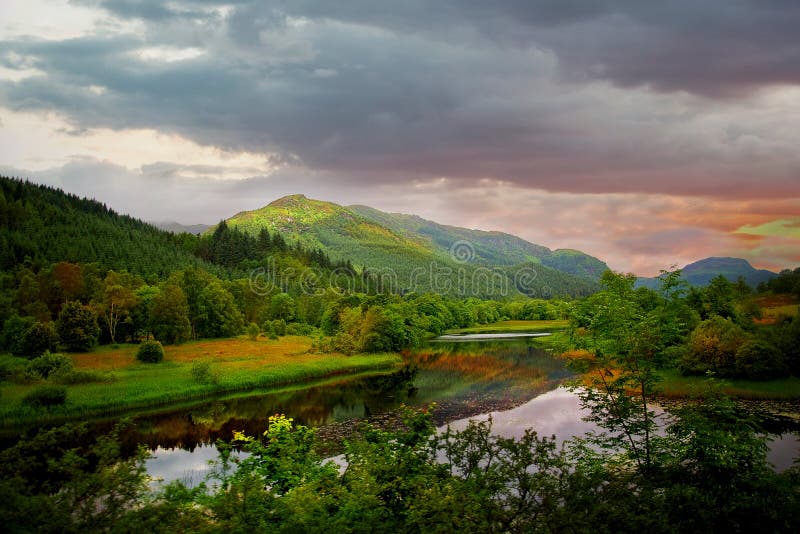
pixel 701 272
pixel 407 253
pixel 42 225
pixel 490 248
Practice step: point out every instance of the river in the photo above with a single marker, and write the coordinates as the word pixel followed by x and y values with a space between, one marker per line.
pixel 510 378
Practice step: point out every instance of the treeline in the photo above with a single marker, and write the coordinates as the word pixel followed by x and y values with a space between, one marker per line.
pixel 76 306
pixel 787 281
pixel 231 247
pixel 40 225
pixel 717 328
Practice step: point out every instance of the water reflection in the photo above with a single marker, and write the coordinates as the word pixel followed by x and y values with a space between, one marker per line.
pixel 463 378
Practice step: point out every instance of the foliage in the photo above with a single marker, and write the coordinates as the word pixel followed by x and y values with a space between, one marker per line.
pixel 15 330
pixel 150 351
pixel 46 225
pixel 218 315
pixel 202 371
pixel 49 484
pixel 713 477
pixel 169 312
pixel 77 327
pixel 253 331
pixel 39 339
pixel 712 347
pixel 46 396
pixel 759 360
pixel 50 364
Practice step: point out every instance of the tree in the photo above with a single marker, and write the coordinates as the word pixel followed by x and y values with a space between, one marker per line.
pixel 712 346
pixel 282 306
pixel 624 340
pixel 39 338
pixel 252 331
pixel 118 299
pixel 169 315
pixel 218 314
pixel 77 327
pixel 759 360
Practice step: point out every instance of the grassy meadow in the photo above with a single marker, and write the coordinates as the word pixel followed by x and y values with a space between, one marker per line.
pixel 235 364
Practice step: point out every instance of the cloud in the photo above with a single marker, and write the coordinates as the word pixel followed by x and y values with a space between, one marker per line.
pixel 518 92
pixel 643 133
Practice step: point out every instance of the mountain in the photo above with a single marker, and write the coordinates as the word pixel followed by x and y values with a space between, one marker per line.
pixel 42 224
pixel 412 254
pixel 701 272
pixel 178 228
pixel 489 248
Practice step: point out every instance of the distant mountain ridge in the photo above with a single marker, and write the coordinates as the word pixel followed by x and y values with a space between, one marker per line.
pixel 177 228
pixel 701 272
pixel 417 250
pixel 490 247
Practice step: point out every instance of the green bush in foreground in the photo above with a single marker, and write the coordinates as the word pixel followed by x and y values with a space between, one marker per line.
pixel 252 331
pixel 203 373
pixel 150 352
pixel 46 396
pixel 49 364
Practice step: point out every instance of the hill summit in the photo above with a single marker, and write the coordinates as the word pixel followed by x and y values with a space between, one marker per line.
pixel 408 245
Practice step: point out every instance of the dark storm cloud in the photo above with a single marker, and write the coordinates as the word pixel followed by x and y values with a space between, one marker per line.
pixel 389 92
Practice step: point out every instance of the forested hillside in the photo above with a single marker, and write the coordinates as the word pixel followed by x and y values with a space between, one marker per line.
pixel 402 257
pixel 44 225
pixel 490 248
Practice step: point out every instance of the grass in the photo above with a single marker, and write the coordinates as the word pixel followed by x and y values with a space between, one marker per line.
pixel 674 385
pixel 513 326
pixel 238 364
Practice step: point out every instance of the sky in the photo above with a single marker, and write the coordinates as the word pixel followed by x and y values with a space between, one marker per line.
pixel 648 134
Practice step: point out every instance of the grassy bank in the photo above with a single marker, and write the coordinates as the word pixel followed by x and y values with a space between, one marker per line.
pixel 513 326
pixel 675 386
pixel 235 364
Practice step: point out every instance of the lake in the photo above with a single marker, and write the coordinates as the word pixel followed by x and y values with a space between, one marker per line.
pixel 511 378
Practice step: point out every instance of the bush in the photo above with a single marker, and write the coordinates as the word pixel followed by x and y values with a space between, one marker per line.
pixel 252 331
pixel 46 396
pixel 71 377
pixel 48 364
pixel 203 373
pixel 150 352
pixel 712 347
pixel 40 338
pixel 14 330
pixel 10 366
pixel 299 329
pixel 759 360
pixel 77 327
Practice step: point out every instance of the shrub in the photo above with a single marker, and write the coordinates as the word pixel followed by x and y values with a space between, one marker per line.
pixel 9 366
pixel 77 327
pixel 40 338
pixel 150 352
pixel 280 327
pixel 712 347
pixel 48 364
pixel 46 396
pixel 759 360
pixel 252 331
pixel 203 373
pixel 14 330
pixel 299 329
pixel 344 343
pixel 72 376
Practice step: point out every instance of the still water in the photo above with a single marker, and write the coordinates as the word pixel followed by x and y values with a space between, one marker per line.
pixel 511 379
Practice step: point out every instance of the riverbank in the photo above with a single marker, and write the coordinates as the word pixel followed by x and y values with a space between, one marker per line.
pixel 513 326
pixel 236 364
